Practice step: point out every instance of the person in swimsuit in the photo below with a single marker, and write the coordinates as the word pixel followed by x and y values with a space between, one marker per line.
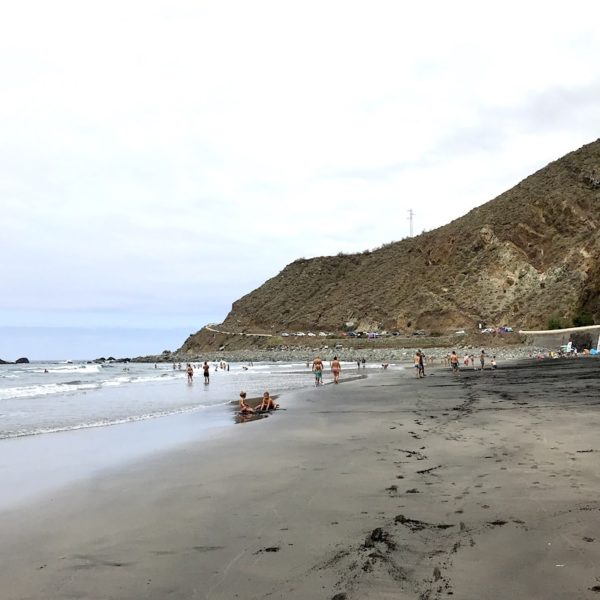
pixel 190 373
pixel 266 403
pixel 336 367
pixel 416 361
pixel 245 409
pixel 454 363
pixel 317 368
pixel 482 359
pixel 206 369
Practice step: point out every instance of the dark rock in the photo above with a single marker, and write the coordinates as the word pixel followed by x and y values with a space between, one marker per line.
pixel 4 362
pixel 22 361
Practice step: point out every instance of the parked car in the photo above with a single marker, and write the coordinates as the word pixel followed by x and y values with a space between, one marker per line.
pixel 419 332
pixel 300 334
pixel 322 334
pixel 311 334
pixel 285 334
pixel 351 334
pixel 460 332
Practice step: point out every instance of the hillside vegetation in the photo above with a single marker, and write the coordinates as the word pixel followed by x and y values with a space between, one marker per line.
pixel 529 255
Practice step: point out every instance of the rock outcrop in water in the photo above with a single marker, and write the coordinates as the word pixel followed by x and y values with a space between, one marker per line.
pixel 530 255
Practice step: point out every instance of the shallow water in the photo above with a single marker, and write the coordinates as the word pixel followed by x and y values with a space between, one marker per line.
pixel 40 398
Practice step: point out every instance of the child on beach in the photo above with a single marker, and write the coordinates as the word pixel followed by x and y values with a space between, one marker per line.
pixel 245 409
pixel 267 403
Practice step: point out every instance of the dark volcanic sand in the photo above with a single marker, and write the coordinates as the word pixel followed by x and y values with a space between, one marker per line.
pixel 480 487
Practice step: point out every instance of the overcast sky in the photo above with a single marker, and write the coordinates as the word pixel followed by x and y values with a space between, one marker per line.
pixel 158 160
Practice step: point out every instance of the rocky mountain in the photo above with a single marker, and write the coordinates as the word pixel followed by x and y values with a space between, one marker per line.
pixel 530 255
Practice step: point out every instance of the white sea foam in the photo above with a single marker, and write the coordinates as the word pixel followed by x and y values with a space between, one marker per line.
pixel 33 391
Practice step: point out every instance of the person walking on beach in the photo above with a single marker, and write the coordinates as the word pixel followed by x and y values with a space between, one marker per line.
pixel 206 369
pixel 482 359
pixel 317 368
pixel 336 367
pixel 417 363
pixel 421 363
pixel 190 373
pixel 454 363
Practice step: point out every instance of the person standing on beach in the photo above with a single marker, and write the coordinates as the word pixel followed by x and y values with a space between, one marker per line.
pixel 190 373
pixel 417 361
pixel 482 359
pixel 206 369
pixel 454 363
pixel 336 367
pixel 317 368
pixel 421 363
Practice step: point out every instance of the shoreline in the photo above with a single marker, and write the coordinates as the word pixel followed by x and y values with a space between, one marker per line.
pixel 481 487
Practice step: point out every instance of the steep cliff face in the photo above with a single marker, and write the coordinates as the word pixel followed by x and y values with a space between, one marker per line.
pixel 530 254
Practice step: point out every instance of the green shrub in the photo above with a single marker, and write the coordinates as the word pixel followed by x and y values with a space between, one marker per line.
pixel 556 323
pixel 582 319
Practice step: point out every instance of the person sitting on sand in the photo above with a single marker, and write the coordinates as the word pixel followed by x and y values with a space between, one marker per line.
pixel 245 409
pixel 267 403
pixel 336 367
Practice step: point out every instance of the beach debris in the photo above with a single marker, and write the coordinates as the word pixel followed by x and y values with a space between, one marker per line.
pixel 379 536
pixel 268 549
pixel 584 451
pixel 497 523
pixel 413 491
pixel 416 525
pixel 340 596
pixel 424 471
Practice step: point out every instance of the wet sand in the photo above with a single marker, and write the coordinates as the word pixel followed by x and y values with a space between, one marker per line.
pixel 480 487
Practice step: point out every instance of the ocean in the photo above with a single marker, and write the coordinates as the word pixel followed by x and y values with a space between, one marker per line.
pixel 48 397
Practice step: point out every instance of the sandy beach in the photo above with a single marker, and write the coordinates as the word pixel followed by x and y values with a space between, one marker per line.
pixel 479 487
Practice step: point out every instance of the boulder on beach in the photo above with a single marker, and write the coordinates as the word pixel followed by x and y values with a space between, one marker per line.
pixel 22 361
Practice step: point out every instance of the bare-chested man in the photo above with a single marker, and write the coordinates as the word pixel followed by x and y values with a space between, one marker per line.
pixel 317 368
